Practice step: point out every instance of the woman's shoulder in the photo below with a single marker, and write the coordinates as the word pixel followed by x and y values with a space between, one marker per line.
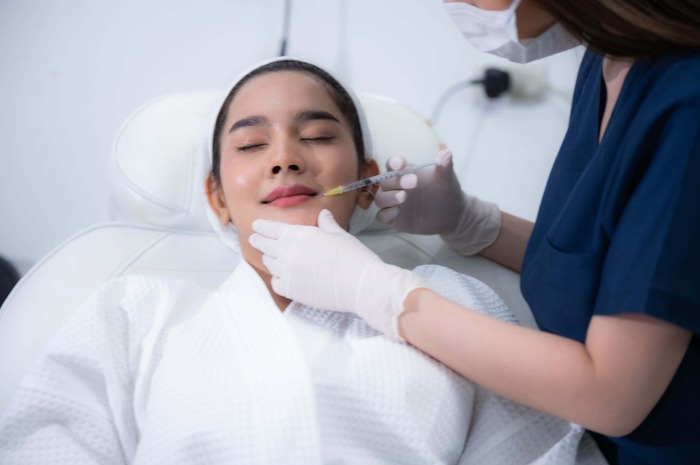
pixel 140 286
pixel 142 296
pixel 465 290
pixel 446 280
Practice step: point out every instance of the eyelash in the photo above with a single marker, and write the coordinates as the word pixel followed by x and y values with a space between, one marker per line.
pixel 245 148
pixel 320 139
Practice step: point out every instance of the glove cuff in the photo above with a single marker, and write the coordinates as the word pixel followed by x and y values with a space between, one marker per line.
pixel 381 308
pixel 477 228
pixel 407 282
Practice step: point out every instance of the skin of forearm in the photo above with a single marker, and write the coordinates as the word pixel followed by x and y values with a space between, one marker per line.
pixel 550 373
pixel 509 247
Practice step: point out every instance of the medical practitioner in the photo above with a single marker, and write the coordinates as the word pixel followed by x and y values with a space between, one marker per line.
pixel 609 269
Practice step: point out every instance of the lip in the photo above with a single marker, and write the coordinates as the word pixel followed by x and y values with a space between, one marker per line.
pixel 288 196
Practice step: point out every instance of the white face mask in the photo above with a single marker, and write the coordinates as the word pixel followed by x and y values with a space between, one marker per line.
pixel 496 32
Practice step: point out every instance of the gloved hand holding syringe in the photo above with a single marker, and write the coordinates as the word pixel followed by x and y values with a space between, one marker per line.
pixel 375 179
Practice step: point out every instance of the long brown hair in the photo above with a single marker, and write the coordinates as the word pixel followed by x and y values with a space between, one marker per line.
pixel 630 28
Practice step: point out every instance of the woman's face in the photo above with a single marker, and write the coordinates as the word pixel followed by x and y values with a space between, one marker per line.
pixel 284 143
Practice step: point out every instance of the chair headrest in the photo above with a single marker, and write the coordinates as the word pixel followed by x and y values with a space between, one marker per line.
pixel 153 162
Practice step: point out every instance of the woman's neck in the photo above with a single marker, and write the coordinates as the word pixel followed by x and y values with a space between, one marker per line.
pixel 614 73
pixel 281 301
pixel 253 258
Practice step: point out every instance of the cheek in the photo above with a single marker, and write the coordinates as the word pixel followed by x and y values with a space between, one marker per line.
pixel 240 188
pixel 343 171
pixel 235 171
pixel 341 168
pixel 341 206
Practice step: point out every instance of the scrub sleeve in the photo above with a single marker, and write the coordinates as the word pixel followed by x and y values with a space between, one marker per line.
pixel 618 231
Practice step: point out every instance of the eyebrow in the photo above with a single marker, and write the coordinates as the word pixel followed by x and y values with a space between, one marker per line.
pixel 311 115
pixel 303 116
pixel 250 121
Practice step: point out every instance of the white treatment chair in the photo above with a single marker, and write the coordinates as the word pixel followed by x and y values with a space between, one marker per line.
pixel 157 229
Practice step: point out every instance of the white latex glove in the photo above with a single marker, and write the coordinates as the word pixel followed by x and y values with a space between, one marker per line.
pixel 326 267
pixel 431 201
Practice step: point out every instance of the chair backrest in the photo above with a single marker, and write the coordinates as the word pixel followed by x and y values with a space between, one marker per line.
pixel 159 228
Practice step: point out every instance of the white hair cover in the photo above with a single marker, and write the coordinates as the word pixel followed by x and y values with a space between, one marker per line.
pixel 360 218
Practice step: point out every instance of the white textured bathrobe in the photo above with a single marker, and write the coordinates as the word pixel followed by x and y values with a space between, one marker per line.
pixel 152 371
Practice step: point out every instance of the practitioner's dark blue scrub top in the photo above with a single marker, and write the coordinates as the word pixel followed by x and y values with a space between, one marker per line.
pixel 618 231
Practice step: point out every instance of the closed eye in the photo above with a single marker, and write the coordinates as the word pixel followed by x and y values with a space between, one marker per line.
pixel 249 147
pixel 318 139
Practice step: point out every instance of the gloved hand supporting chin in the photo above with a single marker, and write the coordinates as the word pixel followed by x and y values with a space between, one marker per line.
pixel 328 268
pixel 431 201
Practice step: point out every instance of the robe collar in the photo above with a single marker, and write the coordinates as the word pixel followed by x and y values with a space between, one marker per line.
pixel 275 365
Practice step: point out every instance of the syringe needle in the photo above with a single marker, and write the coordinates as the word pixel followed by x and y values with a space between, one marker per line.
pixel 374 179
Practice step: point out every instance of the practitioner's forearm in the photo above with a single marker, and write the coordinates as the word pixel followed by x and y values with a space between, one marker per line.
pixel 513 361
pixel 550 373
pixel 509 247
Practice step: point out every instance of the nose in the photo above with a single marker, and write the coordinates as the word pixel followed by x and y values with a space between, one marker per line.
pixel 291 167
pixel 286 157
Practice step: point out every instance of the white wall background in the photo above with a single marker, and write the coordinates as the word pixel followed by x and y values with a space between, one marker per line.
pixel 72 71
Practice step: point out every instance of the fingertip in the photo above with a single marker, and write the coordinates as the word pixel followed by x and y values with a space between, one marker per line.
pixel 387 216
pixel 276 284
pixel 386 199
pixel 396 162
pixel 253 239
pixel 408 181
pixel 444 158
pixel 262 226
pixel 271 264
pixel 326 221
pixel 269 229
pixel 324 214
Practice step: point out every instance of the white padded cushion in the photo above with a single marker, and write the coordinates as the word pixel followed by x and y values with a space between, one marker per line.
pixel 152 172
pixel 152 168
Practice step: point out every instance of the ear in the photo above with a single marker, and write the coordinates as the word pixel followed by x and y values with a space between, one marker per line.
pixel 366 195
pixel 216 200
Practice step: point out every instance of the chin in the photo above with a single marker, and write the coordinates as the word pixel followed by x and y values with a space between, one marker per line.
pixel 306 216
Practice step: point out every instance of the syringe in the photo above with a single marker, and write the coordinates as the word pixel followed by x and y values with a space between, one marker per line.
pixel 375 179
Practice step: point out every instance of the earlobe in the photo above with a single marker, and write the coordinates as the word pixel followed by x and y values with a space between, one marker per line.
pixel 366 195
pixel 216 200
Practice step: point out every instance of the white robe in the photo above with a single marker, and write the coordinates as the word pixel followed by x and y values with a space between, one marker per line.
pixel 152 371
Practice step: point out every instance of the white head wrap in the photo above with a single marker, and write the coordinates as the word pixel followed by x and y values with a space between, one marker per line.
pixel 360 218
